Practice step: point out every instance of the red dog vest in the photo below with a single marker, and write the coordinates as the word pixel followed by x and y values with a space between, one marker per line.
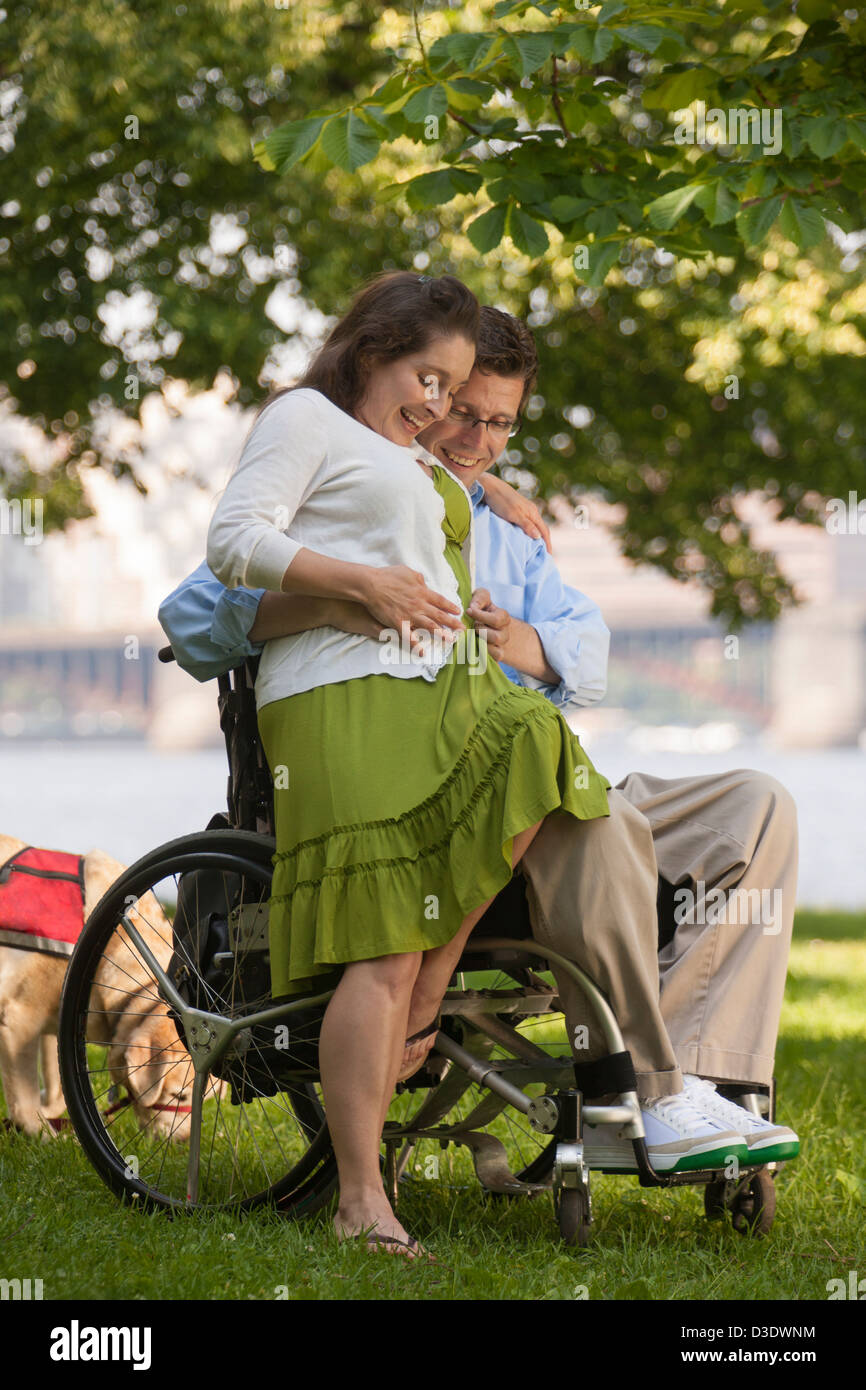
pixel 42 901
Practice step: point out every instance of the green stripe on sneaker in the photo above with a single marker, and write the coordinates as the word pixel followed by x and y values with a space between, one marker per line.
pixel 715 1159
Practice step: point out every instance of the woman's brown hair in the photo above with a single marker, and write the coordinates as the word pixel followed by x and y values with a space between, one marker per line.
pixel 395 314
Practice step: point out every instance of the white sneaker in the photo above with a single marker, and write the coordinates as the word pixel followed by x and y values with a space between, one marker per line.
pixel 680 1137
pixel 767 1143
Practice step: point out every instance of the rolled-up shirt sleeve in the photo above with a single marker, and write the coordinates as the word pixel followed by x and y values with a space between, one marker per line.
pixel 208 625
pixel 575 638
pixel 247 540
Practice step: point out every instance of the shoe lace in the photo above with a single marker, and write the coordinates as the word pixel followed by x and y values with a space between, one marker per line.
pixel 705 1095
pixel 679 1108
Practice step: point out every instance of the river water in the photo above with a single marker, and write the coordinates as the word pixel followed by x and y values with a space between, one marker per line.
pixel 125 798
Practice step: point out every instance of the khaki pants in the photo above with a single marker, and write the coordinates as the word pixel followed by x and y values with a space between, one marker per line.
pixel 709 1001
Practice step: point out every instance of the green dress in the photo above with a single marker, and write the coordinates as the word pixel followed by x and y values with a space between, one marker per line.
pixel 397 800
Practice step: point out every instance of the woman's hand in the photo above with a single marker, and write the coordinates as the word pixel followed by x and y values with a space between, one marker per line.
pixel 520 511
pixel 399 599
pixel 490 622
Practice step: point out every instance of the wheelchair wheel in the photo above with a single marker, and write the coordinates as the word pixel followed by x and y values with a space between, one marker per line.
pixel 751 1202
pixel 572 1213
pixel 198 909
pixel 754 1206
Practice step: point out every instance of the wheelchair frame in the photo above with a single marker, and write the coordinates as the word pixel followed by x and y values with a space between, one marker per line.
pixel 489 1016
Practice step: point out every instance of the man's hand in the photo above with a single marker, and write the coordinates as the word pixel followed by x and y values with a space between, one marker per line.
pixel 490 622
pixel 353 617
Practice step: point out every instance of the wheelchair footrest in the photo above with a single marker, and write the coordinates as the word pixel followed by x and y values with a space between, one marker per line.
pixel 491 1166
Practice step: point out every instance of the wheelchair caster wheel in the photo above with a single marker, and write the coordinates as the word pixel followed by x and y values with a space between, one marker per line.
pixel 751 1202
pixel 754 1205
pixel 572 1213
pixel 716 1205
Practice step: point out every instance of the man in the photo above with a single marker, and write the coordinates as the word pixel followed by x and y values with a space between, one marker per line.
pixel 705 1007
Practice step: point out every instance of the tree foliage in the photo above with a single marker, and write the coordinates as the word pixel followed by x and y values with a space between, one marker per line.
pixel 576 121
pixel 699 331
pixel 126 130
pixel 580 152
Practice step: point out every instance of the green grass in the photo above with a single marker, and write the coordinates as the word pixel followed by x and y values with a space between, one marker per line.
pixel 62 1225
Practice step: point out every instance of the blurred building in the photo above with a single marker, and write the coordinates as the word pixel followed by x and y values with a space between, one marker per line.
pixel 79 634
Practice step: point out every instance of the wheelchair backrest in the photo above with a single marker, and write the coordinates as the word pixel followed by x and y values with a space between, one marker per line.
pixel 250 793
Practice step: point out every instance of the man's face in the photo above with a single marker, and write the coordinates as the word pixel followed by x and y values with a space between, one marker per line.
pixel 466 450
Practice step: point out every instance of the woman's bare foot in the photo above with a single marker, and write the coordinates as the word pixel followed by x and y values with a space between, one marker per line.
pixel 375 1222
pixel 415 1052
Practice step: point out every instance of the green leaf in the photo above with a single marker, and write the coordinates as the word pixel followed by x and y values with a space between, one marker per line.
pixel 290 142
pixel 631 213
pixel 602 221
pixel 826 135
pixel 386 127
pixel 465 50
pixel 857 133
pixel 610 10
pixel 564 208
pixel 602 255
pixel 753 223
pixel 792 138
pixel 464 94
pixel 437 187
pixel 349 142
pixel 680 89
pixel 762 180
pixel 504 7
pixel 530 51
pixel 466 180
pixel 528 235
pixel 593 44
pixel 666 211
pixel 717 202
pixel 645 37
pixel 426 102
pixel 429 190
pixel 802 223
pixel 486 231
pixel 799 178
pixel 396 86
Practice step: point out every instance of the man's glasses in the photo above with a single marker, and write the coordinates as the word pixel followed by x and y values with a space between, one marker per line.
pixel 460 415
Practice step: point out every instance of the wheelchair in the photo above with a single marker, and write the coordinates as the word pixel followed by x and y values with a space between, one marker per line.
pixel 185 930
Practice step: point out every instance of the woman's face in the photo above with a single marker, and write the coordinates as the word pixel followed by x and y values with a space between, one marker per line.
pixel 405 396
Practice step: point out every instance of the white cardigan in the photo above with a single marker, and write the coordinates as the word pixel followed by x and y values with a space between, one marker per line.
pixel 310 475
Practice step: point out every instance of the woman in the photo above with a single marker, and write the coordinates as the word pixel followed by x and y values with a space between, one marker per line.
pixel 405 791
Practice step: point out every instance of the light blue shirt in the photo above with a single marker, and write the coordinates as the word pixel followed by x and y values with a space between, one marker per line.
pixel 208 625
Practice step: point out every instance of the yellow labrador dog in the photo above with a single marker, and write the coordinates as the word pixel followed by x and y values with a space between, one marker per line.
pixel 145 1054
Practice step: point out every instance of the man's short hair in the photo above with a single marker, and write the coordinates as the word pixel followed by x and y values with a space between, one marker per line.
pixel 506 347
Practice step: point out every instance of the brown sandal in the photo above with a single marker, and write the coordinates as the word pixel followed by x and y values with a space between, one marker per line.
pixel 425 1032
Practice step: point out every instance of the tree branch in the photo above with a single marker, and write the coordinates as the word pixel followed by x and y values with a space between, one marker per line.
pixel 424 58
pixel 789 192
pixel 557 104
pixel 460 121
